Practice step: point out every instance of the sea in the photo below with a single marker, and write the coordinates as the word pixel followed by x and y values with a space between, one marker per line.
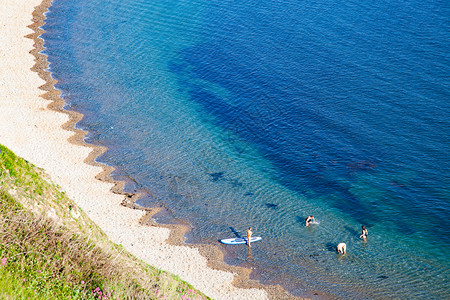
pixel 237 114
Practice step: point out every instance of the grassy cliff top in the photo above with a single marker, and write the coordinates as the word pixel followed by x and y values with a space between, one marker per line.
pixel 50 249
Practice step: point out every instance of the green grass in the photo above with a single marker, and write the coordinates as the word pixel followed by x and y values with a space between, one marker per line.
pixel 65 256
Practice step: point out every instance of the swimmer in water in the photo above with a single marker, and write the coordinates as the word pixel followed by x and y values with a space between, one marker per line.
pixel 310 220
pixel 365 233
pixel 249 235
pixel 341 248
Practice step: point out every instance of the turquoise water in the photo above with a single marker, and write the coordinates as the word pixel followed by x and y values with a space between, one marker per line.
pixel 260 113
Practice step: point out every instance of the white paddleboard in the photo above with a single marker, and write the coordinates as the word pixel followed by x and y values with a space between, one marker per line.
pixel 237 241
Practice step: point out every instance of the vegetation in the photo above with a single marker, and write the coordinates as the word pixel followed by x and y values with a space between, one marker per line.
pixel 49 249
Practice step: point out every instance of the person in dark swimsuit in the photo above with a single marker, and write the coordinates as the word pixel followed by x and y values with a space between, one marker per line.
pixel 364 233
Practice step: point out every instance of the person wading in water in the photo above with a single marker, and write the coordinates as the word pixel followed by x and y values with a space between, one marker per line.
pixel 365 233
pixel 249 235
pixel 310 220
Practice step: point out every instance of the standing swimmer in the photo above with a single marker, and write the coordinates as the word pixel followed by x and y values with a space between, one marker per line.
pixel 365 233
pixel 249 235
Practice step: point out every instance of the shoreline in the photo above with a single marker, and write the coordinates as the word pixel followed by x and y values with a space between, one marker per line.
pixel 44 133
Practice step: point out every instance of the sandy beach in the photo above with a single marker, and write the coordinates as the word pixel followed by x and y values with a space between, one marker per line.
pixel 35 128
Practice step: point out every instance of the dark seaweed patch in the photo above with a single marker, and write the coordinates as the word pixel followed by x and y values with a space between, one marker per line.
pixel 272 205
pixel 216 176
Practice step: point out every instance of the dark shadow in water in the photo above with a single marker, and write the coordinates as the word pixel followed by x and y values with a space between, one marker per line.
pixel 216 176
pixel 315 256
pixel 300 219
pixel 352 230
pixel 331 247
pixel 272 205
pixel 235 232
pixel 258 133
pixel 236 183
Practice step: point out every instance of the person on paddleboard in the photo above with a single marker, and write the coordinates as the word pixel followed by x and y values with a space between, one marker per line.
pixel 365 233
pixel 310 220
pixel 249 235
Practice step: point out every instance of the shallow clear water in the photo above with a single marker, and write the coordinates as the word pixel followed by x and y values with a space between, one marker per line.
pixel 260 113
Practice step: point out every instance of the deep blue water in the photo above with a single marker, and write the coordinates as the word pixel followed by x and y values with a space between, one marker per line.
pixel 260 113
